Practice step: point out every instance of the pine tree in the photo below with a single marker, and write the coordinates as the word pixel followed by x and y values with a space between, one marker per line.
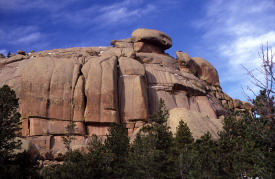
pixel 70 136
pixel 149 156
pixel 9 54
pixel 244 147
pixel 183 155
pixel 12 165
pixel 183 136
pixel 208 161
pixel 9 122
pixel 158 128
pixel 117 143
pixel 264 106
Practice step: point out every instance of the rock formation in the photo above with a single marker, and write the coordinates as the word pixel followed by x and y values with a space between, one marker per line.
pixel 97 86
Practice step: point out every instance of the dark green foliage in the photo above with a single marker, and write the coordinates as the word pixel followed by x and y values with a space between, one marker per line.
pixel 95 164
pixel 12 165
pixel 264 106
pixel 9 122
pixel 9 54
pixel 99 159
pixel 70 136
pixel 117 143
pixel 9 125
pixel 73 167
pixel 20 167
pixel 149 156
pixel 104 160
pixel 183 154
pixel 183 136
pixel 158 128
pixel 208 160
pixel 244 148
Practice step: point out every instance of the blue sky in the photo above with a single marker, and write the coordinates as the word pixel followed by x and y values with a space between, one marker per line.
pixel 226 33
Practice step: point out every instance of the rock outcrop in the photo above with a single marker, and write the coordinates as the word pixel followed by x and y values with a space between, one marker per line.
pixel 199 123
pixel 98 86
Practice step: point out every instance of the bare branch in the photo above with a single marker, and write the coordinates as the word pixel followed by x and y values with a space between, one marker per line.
pixel 266 56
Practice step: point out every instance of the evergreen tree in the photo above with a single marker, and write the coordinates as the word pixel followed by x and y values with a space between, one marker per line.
pixel 151 149
pixel 105 159
pixel 9 122
pixel 183 155
pixel 118 143
pixel 74 167
pixel 12 165
pixel 9 54
pixel 70 135
pixel 21 166
pixel 183 136
pixel 244 147
pixel 159 129
pixel 264 106
pixel 208 162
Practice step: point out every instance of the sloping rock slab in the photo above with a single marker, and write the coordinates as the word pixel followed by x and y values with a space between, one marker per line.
pixel 198 123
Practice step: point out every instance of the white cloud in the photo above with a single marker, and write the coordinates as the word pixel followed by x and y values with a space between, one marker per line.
pixel 89 13
pixel 237 29
pixel 99 16
pixel 20 34
pixel 27 5
pixel 30 38
pixel 116 13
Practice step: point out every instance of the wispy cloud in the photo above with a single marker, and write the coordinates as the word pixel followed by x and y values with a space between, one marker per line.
pixel 20 34
pixel 26 5
pixel 237 29
pixel 115 13
pixel 105 15
pixel 32 37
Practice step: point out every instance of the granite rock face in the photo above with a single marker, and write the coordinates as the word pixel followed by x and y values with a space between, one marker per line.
pixel 150 36
pixel 98 86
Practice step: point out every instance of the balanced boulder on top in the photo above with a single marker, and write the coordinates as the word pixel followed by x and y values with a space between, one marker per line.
pixel 155 37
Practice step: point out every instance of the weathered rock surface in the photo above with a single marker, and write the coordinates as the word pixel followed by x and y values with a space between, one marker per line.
pixel 2 56
pixel 198 123
pixel 132 91
pixel 199 67
pixel 155 37
pixel 98 86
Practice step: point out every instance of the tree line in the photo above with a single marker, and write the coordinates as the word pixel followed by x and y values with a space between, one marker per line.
pixel 245 149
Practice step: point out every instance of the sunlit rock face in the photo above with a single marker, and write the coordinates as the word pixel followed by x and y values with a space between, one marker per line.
pixel 98 86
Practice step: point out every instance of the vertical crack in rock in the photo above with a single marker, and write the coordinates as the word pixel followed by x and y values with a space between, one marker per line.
pixel 119 90
pixel 76 75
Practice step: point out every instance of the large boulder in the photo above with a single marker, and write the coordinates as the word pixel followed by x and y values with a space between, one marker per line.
pixel 198 123
pixel 183 60
pixel 206 71
pixel 125 43
pixel 151 36
pixel 2 56
pixel 198 67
